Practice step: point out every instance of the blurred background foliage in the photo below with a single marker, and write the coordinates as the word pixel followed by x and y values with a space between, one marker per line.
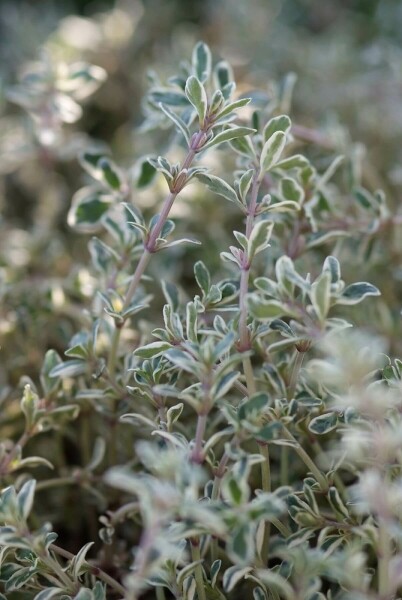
pixel 347 57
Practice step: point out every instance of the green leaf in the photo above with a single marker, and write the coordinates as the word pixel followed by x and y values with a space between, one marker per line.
pixel 280 123
pixel 202 277
pixel 167 96
pixel 243 146
pixel 272 151
pixel 320 295
pixel 261 309
pixel 224 384
pixel 69 368
pixel 233 575
pixel 322 237
pixel 20 578
pixel 356 292
pixel 171 294
pixel 253 406
pixel 87 209
pixel 323 423
pixel 84 594
pixel 219 186
pixel 240 546
pixel 223 74
pixel 180 124
pixel 51 360
pixel 269 432
pixel 214 571
pixel 59 416
pixel 144 173
pixel 29 406
pixel 49 593
pixel 228 134
pixel 233 106
pixel 201 61
pixel 337 503
pixel 266 506
pixel 332 266
pixel 291 190
pixel 329 172
pixel 297 161
pixel 78 564
pixel 173 414
pixel 152 350
pixel 259 594
pixel 182 360
pixel 245 183
pixel 259 238
pixel 274 580
pixel 25 498
pixel 197 95
pixel 110 173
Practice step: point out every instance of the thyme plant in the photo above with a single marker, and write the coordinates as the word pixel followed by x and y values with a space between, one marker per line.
pixel 247 443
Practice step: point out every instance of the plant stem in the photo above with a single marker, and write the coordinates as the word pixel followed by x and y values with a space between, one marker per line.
pixel 51 483
pixel 266 487
pixel 294 444
pixel 197 455
pixel 295 374
pixel 310 464
pixel 96 571
pixel 249 374
pixel 150 248
pixel 56 568
pixel 199 579
pixel 219 473
pixel 384 557
pixel 160 593
pixel 245 271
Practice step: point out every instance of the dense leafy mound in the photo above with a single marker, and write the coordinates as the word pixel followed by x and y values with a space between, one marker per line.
pixel 197 399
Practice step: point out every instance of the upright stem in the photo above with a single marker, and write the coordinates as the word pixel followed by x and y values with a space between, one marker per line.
pixel 245 271
pixel 384 558
pixel 197 455
pixel 219 473
pixel 150 248
pixel 245 345
pixel 199 579
pixel 266 486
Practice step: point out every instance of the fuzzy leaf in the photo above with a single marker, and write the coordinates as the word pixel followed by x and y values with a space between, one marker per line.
pixel 228 134
pixel 323 423
pixel 197 95
pixel 321 295
pixel 272 151
pixel 180 124
pixel 219 186
pixel 152 350
pixel 25 498
pixel 356 292
pixel 280 123
pixel 233 106
pixel 261 309
pixel 259 238
pixel 233 575
pixel 201 61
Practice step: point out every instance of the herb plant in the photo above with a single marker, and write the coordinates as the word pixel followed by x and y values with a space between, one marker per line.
pixel 247 443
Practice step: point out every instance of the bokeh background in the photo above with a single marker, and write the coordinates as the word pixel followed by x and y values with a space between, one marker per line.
pixel 346 54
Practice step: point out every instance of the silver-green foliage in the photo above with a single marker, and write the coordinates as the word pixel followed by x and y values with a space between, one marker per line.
pixel 254 442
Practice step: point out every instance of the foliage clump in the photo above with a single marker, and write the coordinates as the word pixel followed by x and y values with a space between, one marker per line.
pixel 246 442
